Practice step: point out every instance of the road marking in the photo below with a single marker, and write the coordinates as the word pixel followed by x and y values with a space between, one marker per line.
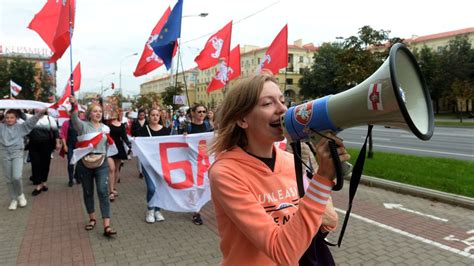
pixel 410 235
pixel 400 207
pixel 376 138
pixel 411 149
pixel 469 242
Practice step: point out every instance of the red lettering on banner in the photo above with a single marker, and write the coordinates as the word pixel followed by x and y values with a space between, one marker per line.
pixel 202 161
pixel 168 167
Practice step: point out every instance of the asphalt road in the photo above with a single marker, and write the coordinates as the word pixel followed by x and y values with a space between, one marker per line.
pixel 447 142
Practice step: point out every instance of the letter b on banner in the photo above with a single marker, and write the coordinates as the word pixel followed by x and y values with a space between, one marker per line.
pixel 167 166
pixel 186 166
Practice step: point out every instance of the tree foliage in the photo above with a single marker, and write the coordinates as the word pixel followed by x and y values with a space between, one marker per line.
pixel 147 100
pixel 322 78
pixel 449 72
pixel 36 84
pixel 170 92
pixel 337 66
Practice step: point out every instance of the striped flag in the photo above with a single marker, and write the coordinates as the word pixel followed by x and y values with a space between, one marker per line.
pixel 14 88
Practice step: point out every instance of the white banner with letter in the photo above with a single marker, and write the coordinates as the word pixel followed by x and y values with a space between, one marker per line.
pixel 177 166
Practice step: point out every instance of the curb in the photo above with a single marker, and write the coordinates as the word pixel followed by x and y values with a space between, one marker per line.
pixel 456 200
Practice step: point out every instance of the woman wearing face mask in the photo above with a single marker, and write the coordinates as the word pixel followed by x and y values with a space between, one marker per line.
pixel 11 150
pixel 93 132
pixel 153 129
pixel 260 217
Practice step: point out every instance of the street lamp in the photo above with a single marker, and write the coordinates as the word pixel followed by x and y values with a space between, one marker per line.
pixel 102 83
pixel 202 15
pixel 120 73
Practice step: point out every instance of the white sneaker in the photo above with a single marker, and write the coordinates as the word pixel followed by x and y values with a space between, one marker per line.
pixel 13 205
pixel 159 217
pixel 150 216
pixel 22 200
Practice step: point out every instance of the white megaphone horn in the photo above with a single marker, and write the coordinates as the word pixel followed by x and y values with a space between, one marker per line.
pixel 395 95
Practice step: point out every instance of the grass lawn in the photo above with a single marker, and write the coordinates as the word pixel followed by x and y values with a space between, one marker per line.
pixel 448 175
pixel 454 123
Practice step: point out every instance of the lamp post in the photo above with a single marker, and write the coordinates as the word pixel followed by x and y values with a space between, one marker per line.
pixel 120 72
pixel 102 83
pixel 202 15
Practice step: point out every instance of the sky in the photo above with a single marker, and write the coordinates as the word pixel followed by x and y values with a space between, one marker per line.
pixel 108 32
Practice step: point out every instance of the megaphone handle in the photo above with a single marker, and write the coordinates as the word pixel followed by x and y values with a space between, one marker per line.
pixel 337 165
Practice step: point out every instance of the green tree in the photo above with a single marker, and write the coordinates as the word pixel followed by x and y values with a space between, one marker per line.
pixel 170 92
pixel 147 100
pixel 362 55
pixel 4 78
pixel 23 73
pixel 461 92
pixel 322 79
pixel 430 66
pixel 46 87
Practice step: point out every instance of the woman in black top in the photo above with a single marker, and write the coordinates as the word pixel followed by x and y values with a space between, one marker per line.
pixel 153 129
pixel 119 134
pixel 138 123
pixel 198 125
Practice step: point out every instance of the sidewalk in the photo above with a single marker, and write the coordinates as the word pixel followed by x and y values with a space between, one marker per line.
pixel 50 230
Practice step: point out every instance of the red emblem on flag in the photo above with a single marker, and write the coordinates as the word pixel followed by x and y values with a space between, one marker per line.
pixel 304 112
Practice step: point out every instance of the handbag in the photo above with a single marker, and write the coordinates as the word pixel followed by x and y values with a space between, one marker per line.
pixel 93 160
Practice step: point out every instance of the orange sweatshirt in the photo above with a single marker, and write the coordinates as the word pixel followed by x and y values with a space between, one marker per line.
pixel 260 219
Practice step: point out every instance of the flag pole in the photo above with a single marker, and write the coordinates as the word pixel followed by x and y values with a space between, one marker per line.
pixel 71 78
pixel 184 76
pixel 184 80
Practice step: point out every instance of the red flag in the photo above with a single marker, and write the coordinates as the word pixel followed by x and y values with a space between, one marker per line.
pixel 217 46
pixel 67 91
pixel 276 56
pixel 53 23
pixel 226 72
pixel 149 61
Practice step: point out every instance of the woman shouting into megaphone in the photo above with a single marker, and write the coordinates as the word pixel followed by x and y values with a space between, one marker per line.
pixel 260 217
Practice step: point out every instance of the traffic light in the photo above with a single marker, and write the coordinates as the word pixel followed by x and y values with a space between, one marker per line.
pixel 112 85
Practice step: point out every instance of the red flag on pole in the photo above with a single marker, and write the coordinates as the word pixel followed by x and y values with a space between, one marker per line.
pixel 276 56
pixel 76 74
pixel 149 61
pixel 217 46
pixel 228 70
pixel 53 24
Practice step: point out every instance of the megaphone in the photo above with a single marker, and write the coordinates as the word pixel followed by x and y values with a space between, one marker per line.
pixel 395 95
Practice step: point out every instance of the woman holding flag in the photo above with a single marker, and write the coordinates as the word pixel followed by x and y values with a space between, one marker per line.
pixel 260 217
pixel 12 147
pixel 91 157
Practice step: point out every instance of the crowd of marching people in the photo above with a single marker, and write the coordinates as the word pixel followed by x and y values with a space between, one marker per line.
pixel 249 166
pixel 34 137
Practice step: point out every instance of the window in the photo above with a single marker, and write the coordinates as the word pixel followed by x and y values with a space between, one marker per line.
pixel 289 81
pixel 301 59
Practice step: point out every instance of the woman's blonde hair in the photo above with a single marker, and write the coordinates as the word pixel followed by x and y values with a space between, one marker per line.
pixel 89 109
pixel 238 103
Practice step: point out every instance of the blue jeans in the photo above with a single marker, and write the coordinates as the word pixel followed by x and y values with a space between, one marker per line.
pixel 150 189
pixel 101 176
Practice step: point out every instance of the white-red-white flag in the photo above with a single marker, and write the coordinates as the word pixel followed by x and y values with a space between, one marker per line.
pixel 14 88
pixel 87 142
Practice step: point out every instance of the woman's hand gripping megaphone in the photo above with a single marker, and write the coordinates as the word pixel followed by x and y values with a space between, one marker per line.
pixel 332 158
